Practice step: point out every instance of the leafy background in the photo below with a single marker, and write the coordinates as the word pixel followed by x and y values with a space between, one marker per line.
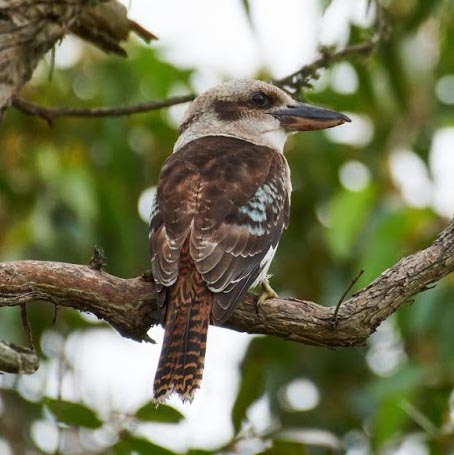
pixel 362 200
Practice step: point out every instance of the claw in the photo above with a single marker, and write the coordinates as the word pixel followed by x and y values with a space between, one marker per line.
pixel 268 293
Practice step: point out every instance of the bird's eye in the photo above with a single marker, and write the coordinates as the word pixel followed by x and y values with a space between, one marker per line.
pixel 261 100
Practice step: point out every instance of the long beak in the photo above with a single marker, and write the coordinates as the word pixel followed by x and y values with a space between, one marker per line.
pixel 304 117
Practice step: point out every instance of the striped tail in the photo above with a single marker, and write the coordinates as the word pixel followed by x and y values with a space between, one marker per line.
pixel 189 301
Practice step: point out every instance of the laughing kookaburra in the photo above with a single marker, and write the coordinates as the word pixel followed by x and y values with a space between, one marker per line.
pixel 222 202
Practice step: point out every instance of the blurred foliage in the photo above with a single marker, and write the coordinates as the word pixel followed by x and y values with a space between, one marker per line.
pixel 74 414
pixel 66 188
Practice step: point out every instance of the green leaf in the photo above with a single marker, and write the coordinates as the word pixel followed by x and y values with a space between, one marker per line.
pixel 393 392
pixel 138 445
pixel 165 414
pixel 349 211
pixel 74 414
pixel 389 419
pixel 388 239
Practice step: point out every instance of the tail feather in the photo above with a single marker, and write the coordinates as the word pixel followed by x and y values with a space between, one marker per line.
pixel 182 357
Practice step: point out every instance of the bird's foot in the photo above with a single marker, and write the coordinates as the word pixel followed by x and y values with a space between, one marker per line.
pixel 268 293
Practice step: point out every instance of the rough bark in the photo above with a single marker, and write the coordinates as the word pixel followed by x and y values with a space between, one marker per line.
pixel 129 305
pixel 29 28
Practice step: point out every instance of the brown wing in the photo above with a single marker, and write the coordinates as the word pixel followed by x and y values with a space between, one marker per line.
pixel 231 197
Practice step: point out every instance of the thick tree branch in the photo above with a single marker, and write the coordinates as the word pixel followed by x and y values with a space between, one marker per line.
pixel 29 28
pixel 129 305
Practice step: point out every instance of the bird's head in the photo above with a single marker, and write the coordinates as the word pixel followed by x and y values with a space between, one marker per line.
pixel 255 111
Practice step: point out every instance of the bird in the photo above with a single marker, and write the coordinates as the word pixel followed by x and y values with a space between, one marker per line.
pixel 220 207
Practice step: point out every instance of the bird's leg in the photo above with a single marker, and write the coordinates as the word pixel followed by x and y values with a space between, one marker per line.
pixel 268 292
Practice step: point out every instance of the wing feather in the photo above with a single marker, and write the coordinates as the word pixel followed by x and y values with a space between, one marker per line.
pixel 231 198
pixel 245 234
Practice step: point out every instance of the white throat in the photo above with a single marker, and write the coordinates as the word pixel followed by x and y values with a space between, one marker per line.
pixel 269 133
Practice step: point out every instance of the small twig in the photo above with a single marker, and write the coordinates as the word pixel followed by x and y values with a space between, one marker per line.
pixel 50 113
pixel 341 300
pixel 26 325
pixel 417 416
pixel 98 259
pixel 145 34
pixel 54 319
pixel 298 80
pixel 381 24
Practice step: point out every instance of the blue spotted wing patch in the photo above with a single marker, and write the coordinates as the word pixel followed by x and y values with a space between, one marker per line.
pixel 231 256
pixel 262 211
